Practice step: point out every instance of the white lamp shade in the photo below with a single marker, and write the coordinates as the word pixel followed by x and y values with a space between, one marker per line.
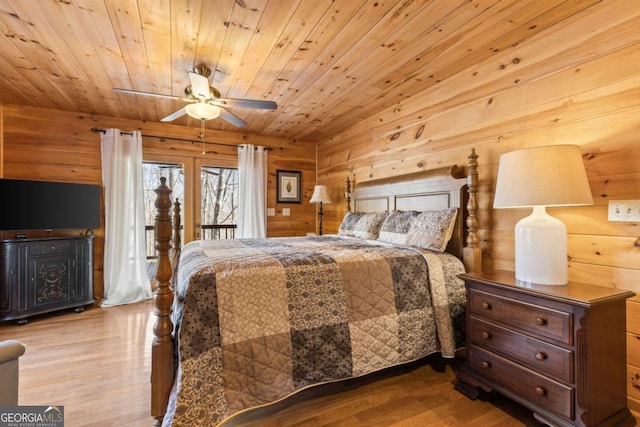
pixel 542 176
pixel 202 111
pixel 320 194
pixel 539 177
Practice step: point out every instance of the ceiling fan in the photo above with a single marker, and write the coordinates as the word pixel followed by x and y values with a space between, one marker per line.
pixel 204 102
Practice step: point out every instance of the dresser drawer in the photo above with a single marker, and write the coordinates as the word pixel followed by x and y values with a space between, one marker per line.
pixel 542 391
pixel 49 247
pixel 545 358
pixel 543 321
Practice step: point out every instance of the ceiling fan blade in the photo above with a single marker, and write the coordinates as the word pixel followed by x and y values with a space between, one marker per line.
pixel 157 95
pixel 176 114
pixel 232 118
pixel 247 103
pixel 199 85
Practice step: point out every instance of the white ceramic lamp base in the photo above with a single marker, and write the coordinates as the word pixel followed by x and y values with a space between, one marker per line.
pixel 541 249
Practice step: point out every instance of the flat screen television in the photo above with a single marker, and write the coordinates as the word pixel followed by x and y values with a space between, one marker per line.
pixel 45 205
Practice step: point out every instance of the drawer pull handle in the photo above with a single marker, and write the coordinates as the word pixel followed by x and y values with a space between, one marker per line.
pixel 540 321
pixel 486 364
pixel 541 356
pixel 486 335
pixel 540 391
pixel 486 306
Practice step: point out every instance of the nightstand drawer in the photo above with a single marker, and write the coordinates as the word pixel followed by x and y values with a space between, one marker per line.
pixel 536 319
pixel 546 358
pixel 542 391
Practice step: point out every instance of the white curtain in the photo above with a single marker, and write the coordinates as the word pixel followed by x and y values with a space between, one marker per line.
pixel 252 201
pixel 125 270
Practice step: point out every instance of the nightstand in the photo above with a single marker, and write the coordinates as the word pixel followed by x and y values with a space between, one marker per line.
pixel 558 350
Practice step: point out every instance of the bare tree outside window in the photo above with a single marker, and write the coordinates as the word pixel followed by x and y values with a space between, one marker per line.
pixel 218 193
pixel 219 201
pixel 174 173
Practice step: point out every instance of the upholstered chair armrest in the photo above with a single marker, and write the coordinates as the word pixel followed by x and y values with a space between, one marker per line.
pixel 10 350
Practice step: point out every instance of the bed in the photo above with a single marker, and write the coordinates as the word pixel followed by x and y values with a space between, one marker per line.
pixel 244 323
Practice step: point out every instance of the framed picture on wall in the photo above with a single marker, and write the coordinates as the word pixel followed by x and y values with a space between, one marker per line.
pixel 288 186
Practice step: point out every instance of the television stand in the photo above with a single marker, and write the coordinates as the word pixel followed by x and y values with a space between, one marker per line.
pixel 42 275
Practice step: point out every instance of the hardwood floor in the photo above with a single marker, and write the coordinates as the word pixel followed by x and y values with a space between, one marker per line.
pixel 97 365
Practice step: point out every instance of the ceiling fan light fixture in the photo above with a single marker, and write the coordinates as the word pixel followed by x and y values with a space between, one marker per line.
pixel 202 111
pixel 203 101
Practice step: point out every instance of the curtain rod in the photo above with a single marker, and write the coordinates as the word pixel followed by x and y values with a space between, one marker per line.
pixel 99 130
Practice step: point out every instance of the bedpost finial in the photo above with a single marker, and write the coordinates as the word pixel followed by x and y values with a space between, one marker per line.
pixel 472 203
pixel 347 193
pixel 472 252
pixel 473 158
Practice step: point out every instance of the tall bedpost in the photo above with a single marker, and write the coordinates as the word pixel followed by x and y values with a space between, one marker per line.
pixel 347 193
pixel 472 254
pixel 162 347
pixel 176 240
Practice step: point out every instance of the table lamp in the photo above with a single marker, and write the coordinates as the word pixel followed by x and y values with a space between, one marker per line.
pixel 320 195
pixel 539 177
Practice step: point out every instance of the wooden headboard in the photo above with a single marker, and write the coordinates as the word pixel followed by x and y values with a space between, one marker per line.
pixel 429 190
pixel 446 187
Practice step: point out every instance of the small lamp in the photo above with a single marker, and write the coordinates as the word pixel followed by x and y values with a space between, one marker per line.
pixel 538 177
pixel 320 195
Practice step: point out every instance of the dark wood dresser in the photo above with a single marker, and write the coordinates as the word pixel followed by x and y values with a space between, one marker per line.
pixel 558 350
pixel 43 275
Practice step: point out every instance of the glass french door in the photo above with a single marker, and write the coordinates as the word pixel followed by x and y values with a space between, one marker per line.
pixel 207 190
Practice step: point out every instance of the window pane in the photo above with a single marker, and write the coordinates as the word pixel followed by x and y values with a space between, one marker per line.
pixel 219 201
pixel 175 181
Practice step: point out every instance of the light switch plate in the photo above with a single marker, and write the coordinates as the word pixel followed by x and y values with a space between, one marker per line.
pixel 271 211
pixel 286 211
pixel 624 210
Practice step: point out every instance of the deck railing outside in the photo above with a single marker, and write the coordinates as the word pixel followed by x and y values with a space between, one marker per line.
pixel 209 232
pixel 218 231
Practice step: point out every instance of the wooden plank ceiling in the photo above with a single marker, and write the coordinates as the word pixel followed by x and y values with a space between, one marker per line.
pixel 327 63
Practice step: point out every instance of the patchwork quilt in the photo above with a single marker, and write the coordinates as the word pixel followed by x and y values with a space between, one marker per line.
pixel 259 319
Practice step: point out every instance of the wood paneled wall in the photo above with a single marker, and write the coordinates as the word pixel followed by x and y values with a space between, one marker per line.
pixel 42 144
pixel 576 83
